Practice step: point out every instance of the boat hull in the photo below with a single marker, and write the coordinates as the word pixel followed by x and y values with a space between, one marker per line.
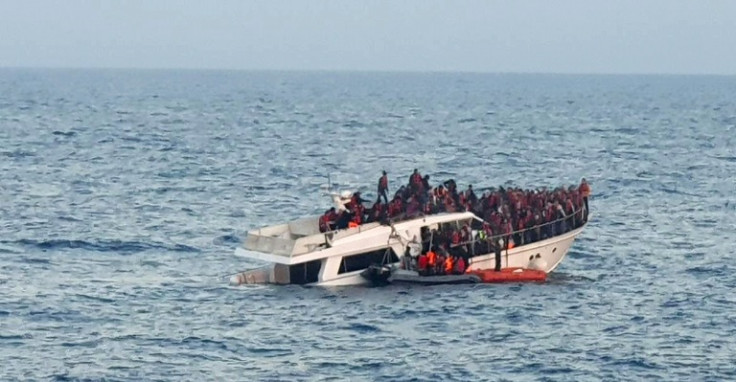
pixel 545 255
pixel 415 278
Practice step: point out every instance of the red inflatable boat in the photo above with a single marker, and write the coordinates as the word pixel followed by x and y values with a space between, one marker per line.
pixel 510 275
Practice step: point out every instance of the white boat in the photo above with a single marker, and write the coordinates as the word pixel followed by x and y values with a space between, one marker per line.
pixel 299 253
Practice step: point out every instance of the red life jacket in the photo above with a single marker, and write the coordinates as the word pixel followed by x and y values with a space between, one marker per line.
pixel 383 182
pixel 323 224
pixel 394 208
pixel 416 178
pixel 460 265
pixel 422 262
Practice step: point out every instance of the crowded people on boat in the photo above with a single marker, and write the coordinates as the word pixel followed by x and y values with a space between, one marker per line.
pixel 517 216
pixel 439 263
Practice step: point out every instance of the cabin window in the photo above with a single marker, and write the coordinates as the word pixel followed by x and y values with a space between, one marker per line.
pixel 364 260
pixel 305 273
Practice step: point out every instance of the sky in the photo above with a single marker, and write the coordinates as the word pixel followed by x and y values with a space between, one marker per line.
pixel 551 36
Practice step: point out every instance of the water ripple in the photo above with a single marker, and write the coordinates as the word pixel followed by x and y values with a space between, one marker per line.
pixel 125 193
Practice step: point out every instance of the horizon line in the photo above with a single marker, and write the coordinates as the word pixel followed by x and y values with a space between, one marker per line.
pixel 361 70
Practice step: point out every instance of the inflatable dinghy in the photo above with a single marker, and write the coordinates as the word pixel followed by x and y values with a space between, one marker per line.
pixel 510 275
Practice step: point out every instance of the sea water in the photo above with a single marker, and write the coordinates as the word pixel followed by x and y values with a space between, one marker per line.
pixel 123 195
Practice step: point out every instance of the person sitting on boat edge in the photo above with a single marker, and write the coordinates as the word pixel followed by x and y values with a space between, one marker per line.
pixel 322 222
pixel 328 221
pixel 377 213
pixel 395 208
pixel 356 200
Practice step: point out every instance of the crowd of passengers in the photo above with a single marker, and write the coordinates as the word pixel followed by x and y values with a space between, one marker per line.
pixel 518 216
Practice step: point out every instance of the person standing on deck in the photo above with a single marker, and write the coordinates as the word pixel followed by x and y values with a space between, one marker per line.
pixel 383 187
pixel 415 181
pixel 585 193
pixel 415 249
pixel 497 252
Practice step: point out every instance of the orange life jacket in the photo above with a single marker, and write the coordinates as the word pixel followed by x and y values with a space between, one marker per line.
pixel 431 258
pixel 448 265
pixel 585 190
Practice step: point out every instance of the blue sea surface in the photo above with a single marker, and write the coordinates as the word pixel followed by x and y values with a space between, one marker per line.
pixel 124 193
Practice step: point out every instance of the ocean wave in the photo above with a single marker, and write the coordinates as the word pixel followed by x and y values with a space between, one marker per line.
pixel 466 120
pixel 17 154
pixel 121 246
pixel 363 328
pixel 227 240
pixel 64 133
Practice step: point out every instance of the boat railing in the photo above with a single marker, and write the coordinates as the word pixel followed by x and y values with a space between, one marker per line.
pixel 301 240
pixel 345 232
pixel 506 236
